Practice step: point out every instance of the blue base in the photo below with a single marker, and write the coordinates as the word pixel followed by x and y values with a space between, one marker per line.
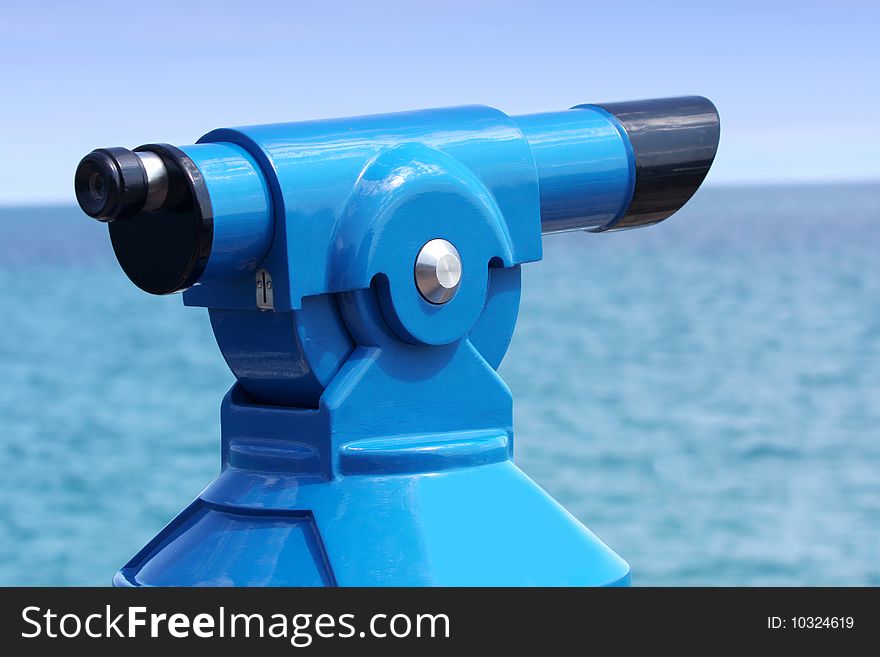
pixel 488 525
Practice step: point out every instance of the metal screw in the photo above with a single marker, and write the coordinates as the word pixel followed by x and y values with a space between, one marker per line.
pixel 438 271
pixel 265 296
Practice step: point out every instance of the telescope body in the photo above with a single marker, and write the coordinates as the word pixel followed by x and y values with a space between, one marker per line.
pixel 362 278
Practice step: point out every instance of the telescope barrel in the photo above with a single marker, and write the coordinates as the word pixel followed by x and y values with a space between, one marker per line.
pixel 204 213
pixel 620 165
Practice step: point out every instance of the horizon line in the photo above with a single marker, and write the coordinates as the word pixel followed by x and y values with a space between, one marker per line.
pixel 719 184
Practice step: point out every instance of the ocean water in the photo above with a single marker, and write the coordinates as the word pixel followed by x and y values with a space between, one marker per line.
pixel 703 394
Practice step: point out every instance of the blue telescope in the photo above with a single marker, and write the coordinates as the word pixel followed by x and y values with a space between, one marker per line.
pixel 362 278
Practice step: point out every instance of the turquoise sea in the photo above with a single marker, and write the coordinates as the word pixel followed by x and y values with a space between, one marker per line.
pixel 703 394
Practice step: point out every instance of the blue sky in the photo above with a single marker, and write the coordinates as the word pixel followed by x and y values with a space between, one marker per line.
pixel 797 84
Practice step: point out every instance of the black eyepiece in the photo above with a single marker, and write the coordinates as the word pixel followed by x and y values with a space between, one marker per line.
pixel 111 184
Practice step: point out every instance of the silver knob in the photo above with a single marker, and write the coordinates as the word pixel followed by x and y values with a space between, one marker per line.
pixel 438 271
